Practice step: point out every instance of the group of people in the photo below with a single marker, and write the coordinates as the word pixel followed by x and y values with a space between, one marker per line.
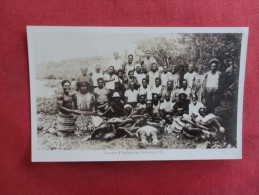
pixel 141 99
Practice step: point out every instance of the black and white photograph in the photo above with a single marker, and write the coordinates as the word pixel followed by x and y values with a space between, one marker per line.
pixel 136 93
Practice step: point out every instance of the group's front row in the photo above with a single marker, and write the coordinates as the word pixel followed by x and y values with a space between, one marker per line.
pixel 109 116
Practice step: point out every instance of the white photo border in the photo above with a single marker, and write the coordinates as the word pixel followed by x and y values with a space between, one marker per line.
pixel 140 154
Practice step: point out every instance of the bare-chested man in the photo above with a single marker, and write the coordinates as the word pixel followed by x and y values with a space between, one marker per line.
pixel 67 106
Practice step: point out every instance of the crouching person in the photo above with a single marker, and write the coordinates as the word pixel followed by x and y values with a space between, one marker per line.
pixel 114 127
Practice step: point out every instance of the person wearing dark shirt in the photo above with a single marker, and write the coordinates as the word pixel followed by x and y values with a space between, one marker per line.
pixel 183 103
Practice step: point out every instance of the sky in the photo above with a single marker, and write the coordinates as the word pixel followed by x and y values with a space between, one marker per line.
pixel 58 46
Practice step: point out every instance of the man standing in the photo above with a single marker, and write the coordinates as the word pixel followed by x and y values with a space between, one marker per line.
pixel 67 106
pixel 139 74
pixel 145 90
pixel 189 76
pixel 157 88
pixel 116 62
pixel 153 74
pixel 147 62
pixel 84 78
pixel 165 76
pixel 131 95
pixel 212 83
pixel 110 78
pixel 101 93
pixel 168 89
pixel 132 78
pixel 98 73
pixel 129 66
pixel 175 77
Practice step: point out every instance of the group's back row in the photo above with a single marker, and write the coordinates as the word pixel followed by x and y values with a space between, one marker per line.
pixel 132 80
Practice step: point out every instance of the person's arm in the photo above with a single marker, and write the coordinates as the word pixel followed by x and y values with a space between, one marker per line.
pixel 126 96
pixel 205 82
pixel 62 108
pixel 147 77
pixel 74 100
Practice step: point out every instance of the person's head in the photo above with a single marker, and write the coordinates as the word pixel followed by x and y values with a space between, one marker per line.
pixel 202 112
pixel 130 58
pixel 155 97
pixel 170 84
pixel 200 68
pixel 66 85
pixel 131 74
pixel 180 111
pixel 120 73
pixel 116 55
pixel 84 71
pixel 194 98
pixel 158 81
pixel 214 63
pixel 142 99
pixel 190 68
pixel 154 67
pixel 148 54
pixel 116 97
pixel 97 67
pixel 167 97
pixel 173 69
pixel 111 70
pixel 182 97
pixel 141 121
pixel 184 84
pixel 149 104
pixel 83 87
pixel 132 85
pixel 144 82
pixel 165 68
pixel 127 109
pixel 138 68
pixel 100 82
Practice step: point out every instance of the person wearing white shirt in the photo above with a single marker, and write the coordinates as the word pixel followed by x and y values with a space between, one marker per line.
pixel 131 95
pixel 139 74
pixel 145 90
pixel 129 66
pixel 189 76
pixel 165 76
pixel 153 74
pixel 116 62
pixel 166 108
pixel 110 78
pixel 157 88
pixel 195 106
pixel 98 73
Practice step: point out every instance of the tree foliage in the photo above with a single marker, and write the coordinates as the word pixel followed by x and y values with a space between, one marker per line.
pixel 194 48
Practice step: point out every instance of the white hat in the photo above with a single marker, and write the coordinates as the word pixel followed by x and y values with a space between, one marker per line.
pixel 127 106
pixel 116 94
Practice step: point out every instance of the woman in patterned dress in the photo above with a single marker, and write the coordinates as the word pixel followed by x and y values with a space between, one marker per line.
pixel 86 104
pixel 199 83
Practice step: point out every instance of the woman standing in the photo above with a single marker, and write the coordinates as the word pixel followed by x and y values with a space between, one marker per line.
pixel 199 83
pixel 86 104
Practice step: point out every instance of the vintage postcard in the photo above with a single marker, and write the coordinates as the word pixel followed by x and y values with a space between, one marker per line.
pixel 136 93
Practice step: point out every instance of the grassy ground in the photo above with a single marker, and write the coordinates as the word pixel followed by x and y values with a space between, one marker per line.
pixel 47 141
